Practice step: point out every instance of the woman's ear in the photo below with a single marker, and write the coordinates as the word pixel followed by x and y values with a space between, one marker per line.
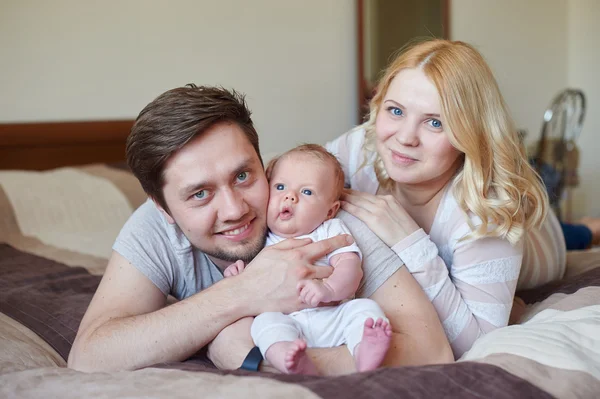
pixel 333 210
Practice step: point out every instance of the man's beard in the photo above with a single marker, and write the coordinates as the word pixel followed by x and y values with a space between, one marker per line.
pixel 246 253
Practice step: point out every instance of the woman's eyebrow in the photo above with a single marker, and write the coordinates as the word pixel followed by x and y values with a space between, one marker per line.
pixel 433 115
pixel 395 102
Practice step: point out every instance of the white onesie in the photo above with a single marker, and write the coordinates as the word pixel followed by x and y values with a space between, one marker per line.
pixel 322 327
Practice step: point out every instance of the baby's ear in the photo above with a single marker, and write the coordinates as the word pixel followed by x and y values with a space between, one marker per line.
pixel 270 166
pixel 333 210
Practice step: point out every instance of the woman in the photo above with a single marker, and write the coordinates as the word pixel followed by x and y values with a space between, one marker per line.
pixel 446 185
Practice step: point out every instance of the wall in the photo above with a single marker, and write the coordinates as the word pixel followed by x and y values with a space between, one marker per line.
pixel 536 48
pixel 583 66
pixel 75 60
pixel 525 43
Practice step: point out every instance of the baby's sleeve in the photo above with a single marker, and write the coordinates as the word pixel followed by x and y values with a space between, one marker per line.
pixel 335 227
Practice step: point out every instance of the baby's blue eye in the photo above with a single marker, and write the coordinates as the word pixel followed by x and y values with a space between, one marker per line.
pixel 279 187
pixel 242 176
pixel 396 111
pixel 306 192
pixel 435 123
pixel 200 194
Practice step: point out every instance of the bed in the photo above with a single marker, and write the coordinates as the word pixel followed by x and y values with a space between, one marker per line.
pixel 64 194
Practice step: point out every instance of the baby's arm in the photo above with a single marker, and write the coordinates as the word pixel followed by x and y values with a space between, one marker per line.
pixel 342 283
pixel 234 269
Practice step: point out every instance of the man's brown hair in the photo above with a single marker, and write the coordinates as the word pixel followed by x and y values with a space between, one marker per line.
pixel 173 119
pixel 320 153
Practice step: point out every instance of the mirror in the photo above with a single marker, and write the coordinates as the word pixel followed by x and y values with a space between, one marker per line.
pixel 384 27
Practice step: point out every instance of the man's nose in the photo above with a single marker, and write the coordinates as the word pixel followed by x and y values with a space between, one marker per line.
pixel 233 206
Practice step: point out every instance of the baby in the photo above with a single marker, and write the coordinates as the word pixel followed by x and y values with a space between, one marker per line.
pixel 305 186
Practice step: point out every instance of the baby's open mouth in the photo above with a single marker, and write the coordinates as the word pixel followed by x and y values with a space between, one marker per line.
pixel 286 213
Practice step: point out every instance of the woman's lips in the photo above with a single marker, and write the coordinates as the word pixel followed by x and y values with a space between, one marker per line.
pixel 402 159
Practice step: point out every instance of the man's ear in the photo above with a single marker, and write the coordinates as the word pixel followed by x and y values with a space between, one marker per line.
pixel 165 213
pixel 333 210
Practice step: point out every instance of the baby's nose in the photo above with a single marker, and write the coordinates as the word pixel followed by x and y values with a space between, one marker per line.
pixel 291 197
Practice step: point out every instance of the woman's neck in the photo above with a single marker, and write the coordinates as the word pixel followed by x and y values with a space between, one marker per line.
pixel 421 201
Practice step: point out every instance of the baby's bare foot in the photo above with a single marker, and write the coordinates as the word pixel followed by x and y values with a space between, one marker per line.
pixel 376 340
pixel 291 358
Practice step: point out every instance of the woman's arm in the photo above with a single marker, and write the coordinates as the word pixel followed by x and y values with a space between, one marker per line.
pixel 418 336
pixel 477 296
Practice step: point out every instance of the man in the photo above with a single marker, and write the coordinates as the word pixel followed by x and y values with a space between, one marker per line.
pixel 195 151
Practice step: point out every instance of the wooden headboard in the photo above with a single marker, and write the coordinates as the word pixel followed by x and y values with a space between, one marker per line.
pixel 39 146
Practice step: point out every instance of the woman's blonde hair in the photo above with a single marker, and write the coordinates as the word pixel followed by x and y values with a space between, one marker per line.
pixel 496 183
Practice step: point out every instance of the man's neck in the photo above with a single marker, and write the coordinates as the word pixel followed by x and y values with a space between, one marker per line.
pixel 220 263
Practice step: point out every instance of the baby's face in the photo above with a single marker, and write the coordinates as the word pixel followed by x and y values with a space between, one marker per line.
pixel 301 195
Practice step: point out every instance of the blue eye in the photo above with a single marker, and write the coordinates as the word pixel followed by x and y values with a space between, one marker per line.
pixel 279 187
pixel 242 176
pixel 306 192
pixel 396 111
pixel 435 123
pixel 200 194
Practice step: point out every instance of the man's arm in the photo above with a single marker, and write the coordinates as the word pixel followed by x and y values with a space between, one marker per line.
pixel 418 336
pixel 127 326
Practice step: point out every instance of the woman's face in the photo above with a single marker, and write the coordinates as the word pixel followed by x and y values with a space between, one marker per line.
pixel 411 136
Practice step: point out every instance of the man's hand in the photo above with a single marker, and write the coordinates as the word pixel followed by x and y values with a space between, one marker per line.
pixel 314 292
pixel 234 269
pixel 270 282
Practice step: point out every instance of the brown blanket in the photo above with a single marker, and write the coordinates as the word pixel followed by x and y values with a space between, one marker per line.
pixel 50 298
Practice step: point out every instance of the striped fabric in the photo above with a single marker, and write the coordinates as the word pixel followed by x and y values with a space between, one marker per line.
pixel 471 283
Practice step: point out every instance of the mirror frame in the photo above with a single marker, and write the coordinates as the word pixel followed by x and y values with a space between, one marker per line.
pixel 445 8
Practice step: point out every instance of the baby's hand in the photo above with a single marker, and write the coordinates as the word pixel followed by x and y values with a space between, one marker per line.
pixel 313 292
pixel 234 269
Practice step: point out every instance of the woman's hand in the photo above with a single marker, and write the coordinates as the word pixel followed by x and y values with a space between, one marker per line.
pixel 382 213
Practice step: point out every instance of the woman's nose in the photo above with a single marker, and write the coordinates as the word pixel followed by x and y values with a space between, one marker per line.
pixel 408 134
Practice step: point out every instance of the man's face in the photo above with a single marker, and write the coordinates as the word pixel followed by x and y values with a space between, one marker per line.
pixel 217 193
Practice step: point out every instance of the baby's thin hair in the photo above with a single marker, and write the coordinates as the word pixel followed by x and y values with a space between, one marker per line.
pixel 320 153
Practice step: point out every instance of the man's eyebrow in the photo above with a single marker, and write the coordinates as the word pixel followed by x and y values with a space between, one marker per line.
pixel 402 106
pixel 244 166
pixel 193 187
